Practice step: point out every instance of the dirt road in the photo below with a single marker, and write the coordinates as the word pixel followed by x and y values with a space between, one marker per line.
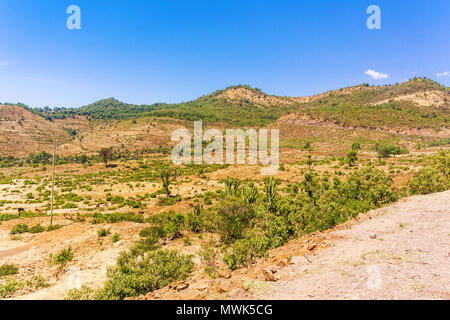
pixel 398 252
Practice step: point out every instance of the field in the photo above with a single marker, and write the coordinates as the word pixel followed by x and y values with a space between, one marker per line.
pixel 128 223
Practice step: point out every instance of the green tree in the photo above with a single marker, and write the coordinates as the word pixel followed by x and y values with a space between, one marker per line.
pixel 105 154
pixel 352 157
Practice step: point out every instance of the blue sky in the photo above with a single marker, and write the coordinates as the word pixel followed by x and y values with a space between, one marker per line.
pixel 171 51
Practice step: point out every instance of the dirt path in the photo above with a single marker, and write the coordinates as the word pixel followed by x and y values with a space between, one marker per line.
pixel 398 252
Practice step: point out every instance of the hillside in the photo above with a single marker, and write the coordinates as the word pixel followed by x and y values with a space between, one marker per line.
pixel 419 107
pixel 23 132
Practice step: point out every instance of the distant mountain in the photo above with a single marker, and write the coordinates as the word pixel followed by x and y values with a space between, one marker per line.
pixel 409 107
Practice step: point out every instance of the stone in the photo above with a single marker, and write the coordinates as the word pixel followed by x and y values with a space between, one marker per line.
pixel 269 275
pixel 223 286
pixel 373 236
pixel 308 257
pixel 226 274
pixel 182 286
pixel 311 246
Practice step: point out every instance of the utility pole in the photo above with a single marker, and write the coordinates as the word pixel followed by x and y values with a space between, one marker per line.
pixel 53 181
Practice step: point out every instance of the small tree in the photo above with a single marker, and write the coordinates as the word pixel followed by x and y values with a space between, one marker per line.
pixel 270 190
pixel 166 176
pixel 356 146
pixel 232 186
pixel 105 154
pixel 352 157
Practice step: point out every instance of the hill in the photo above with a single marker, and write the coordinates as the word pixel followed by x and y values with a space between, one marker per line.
pixel 23 132
pixel 416 107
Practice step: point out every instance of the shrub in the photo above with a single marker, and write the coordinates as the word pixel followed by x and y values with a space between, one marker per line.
pixel 63 257
pixel 117 217
pixel 208 255
pixel 386 149
pixel 356 146
pixel 232 186
pixel 54 227
pixel 103 232
pixel 233 216
pixel 352 157
pixel 84 293
pixel 270 190
pixel 115 237
pixel 250 193
pixel 194 220
pixel 19 228
pixel 37 229
pixel 244 252
pixel 9 288
pixel 8 269
pixel 139 274
pixel 435 178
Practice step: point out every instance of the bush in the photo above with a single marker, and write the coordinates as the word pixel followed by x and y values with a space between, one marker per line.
pixel 7 289
pixel 244 252
pixel 115 237
pixel 435 178
pixel 19 228
pixel 116 217
pixel 8 269
pixel 194 220
pixel 352 157
pixel 103 232
pixel 233 216
pixel 134 275
pixel 63 257
pixel 84 293
pixel 386 149
pixel 37 229
pixel 208 255
pixel 54 227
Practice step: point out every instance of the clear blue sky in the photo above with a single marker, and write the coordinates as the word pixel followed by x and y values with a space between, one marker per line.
pixel 150 51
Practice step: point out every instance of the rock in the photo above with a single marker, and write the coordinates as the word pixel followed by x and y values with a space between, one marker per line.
pixel 308 257
pixel 226 274
pixel 311 246
pixel 373 236
pixel 274 269
pixel 223 286
pixel 236 293
pixel 182 286
pixel 269 275
pixel 284 260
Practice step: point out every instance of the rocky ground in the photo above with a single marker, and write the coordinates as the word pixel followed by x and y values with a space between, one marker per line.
pixel 397 252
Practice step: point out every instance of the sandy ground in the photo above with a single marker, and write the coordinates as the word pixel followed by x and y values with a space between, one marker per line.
pixel 398 252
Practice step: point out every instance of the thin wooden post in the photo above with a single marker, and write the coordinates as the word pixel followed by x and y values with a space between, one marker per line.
pixel 53 182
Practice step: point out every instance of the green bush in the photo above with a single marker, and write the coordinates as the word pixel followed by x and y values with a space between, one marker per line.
pixel 243 252
pixel 134 275
pixel 115 237
pixel 63 257
pixel 19 228
pixel 233 216
pixel 194 220
pixel 434 178
pixel 37 229
pixel 54 227
pixel 8 269
pixel 386 149
pixel 9 288
pixel 103 232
